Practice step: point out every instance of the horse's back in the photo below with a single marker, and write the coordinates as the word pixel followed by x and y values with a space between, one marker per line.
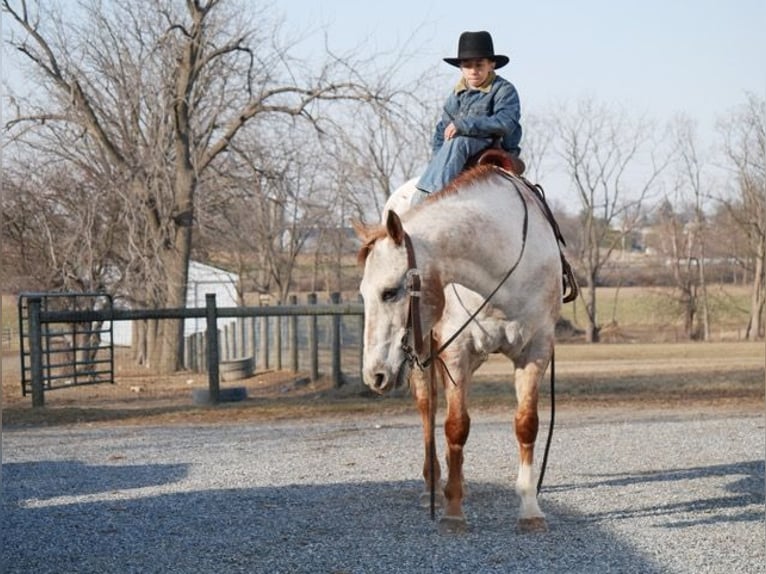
pixel 510 220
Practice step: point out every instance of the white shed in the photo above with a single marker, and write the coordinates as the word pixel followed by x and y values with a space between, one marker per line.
pixel 203 279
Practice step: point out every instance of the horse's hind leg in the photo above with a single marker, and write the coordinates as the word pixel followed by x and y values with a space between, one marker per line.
pixel 421 391
pixel 528 373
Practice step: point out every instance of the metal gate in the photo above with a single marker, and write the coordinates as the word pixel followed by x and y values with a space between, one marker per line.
pixel 73 353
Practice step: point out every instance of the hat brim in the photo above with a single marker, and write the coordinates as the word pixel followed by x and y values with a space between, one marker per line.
pixel 499 60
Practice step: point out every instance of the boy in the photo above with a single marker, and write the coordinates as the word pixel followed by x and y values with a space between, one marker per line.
pixel 483 108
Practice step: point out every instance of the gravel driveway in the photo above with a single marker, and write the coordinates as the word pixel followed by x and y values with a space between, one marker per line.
pixel 636 492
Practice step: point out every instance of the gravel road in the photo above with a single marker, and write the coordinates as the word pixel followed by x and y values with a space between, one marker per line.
pixel 643 492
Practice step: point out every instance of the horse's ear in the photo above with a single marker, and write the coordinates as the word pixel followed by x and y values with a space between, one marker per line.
pixel 360 229
pixel 394 227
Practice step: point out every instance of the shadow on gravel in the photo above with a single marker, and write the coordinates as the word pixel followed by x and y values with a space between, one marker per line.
pixel 333 528
pixel 43 480
pixel 745 484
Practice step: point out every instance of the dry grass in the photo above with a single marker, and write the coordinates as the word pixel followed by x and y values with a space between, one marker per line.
pixel 639 375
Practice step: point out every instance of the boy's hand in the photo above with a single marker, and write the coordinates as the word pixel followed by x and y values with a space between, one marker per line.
pixel 450 131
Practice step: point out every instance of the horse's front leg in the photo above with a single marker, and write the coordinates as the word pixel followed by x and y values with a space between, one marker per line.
pixel 457 425
pixel 527 379
pixel 420 388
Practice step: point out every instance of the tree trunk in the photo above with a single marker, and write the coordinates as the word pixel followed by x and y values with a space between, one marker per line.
pixel 592 330
pixel 689 305
pixel 152 342
pixel 138 342
pixel 758 297
pixel 176 263
pixel 703 297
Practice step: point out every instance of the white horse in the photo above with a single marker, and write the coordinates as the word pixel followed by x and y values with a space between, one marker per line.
pixel 488 332
pixel 486 231
pixel 477 332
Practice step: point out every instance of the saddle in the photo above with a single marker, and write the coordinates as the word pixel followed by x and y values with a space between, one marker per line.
pixel 494 155
pixel 514 165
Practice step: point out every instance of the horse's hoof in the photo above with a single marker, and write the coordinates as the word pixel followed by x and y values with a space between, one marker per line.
pixel 425 500
pixel 452 525
pixel 532 525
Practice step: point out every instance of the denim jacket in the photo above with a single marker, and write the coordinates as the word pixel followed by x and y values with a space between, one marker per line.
pixel 487 112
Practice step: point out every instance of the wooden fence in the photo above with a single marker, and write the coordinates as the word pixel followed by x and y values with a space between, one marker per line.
pixel 259 330
pixel 294 338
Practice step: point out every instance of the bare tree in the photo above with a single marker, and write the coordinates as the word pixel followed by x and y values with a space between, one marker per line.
pixel 678 243
pixel 539 133
pixel 381 149
pixel 276 205
pixel 57 231
pixel 158 91
pixel 692 281
pixel 745 145
pixel 611 162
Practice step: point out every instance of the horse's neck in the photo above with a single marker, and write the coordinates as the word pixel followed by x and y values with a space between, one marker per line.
pixel 468 239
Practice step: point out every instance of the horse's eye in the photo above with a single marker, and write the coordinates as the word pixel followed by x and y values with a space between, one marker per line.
pixel 390 295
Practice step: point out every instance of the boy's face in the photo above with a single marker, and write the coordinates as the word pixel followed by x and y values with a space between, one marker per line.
pixel 476 71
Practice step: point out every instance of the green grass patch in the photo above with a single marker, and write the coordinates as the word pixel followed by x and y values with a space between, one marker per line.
pixel 643 307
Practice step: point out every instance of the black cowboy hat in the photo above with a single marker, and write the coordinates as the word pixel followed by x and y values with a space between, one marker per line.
pixel 476 45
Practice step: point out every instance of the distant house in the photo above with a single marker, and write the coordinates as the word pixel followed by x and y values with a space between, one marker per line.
pixel 203 279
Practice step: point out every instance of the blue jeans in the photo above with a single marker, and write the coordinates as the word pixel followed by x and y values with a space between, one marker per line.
pixel 449 161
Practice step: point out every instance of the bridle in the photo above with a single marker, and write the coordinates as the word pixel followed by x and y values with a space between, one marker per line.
pixel 414 353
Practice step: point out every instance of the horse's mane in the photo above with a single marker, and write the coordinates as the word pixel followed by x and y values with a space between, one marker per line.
pixel 465 179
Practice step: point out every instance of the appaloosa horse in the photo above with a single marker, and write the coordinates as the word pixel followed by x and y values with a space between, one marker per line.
pixel 487 232
pixel 477 331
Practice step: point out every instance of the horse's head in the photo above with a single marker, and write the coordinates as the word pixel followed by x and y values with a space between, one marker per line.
pixel 386 290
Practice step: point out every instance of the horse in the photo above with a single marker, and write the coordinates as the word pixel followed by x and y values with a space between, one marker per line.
pixel 473 233
pixel 478 332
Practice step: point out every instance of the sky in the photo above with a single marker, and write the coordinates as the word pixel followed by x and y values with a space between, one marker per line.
pixel 656 58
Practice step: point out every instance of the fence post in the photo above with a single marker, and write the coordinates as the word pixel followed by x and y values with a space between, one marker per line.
pixel 337 376
pixel 212 347
pixel 186 354
pixel 264 331
pixel 293 336
pixel 242 336
pixel 250 328
pixel 225 352
pixel 36 351
pixel 313 341
pixel 278 341
pixel 200 346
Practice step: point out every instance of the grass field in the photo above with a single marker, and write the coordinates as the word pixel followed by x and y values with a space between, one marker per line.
pixel 654 314
pixel 681 375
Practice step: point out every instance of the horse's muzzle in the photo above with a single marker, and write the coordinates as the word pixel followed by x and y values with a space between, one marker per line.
pixel 382 382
